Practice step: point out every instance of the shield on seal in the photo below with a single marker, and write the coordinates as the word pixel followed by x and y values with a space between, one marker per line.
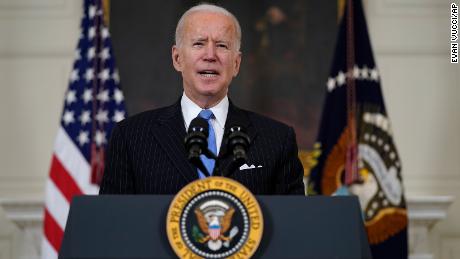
pixel 214 231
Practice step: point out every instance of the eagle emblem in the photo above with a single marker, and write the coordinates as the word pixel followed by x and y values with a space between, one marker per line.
pixel 214 219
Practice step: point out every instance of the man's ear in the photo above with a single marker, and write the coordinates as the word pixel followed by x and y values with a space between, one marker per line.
pixel 177 62
pixel 236 68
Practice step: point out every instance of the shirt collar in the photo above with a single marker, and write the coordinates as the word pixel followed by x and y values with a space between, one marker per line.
pixel 190 110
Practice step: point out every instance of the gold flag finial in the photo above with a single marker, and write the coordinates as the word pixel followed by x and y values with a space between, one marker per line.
pixel 106 8
pixel 340 9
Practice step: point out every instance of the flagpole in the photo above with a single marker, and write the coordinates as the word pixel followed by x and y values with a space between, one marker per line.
pixel 97 155
pixel 351 166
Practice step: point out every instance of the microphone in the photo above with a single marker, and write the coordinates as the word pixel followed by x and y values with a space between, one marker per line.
pixel 196 143
pixel 237 143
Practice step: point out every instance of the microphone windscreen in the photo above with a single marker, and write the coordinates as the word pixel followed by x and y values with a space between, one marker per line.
pixel 199 124
pixel 236 122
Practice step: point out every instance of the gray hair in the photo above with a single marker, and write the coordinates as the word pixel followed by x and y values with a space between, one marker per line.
pixel 207 8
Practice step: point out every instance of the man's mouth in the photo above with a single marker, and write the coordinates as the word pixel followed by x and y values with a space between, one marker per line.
pixel 208 73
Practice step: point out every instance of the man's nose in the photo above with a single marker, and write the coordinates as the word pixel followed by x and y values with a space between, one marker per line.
pixel 210 54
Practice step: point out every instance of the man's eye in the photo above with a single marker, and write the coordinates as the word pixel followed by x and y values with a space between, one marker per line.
pixel 222 46
pixel 198 44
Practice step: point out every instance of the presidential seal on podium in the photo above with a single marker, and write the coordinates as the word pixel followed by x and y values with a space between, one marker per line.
pixel 215 217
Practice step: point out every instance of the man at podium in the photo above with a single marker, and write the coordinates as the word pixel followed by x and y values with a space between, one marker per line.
pixel 146 153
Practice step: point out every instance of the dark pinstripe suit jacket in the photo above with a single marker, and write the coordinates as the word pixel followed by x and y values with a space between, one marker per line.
pixel 146 155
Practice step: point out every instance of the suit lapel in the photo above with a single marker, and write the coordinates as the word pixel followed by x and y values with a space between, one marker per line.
pixel 235 116
pixel 170 133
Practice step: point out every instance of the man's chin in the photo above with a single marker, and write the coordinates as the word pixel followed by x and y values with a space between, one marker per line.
pixel 208 90
pixel 212 94
pixel 209 93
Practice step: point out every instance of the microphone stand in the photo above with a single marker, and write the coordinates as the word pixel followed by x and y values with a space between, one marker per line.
pixel 199 164
pixel 237 160
pixel 196 161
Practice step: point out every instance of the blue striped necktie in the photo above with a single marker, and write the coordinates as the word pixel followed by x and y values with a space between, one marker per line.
pixel 208 162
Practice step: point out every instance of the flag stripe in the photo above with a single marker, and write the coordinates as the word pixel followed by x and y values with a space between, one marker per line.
pixel 63 180
pixel 53 231
pixel 74 162
pixel 57 205
pixel 48 251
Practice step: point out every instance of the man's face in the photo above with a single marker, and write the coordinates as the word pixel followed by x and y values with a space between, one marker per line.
pixel 207 56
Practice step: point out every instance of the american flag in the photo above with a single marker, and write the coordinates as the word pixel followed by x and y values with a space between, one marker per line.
pixel 93 104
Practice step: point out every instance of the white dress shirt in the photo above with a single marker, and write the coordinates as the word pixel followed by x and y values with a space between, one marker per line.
pixel 190 111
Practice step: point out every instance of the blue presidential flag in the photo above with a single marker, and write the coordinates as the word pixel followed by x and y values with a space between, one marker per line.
pixel 355 151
